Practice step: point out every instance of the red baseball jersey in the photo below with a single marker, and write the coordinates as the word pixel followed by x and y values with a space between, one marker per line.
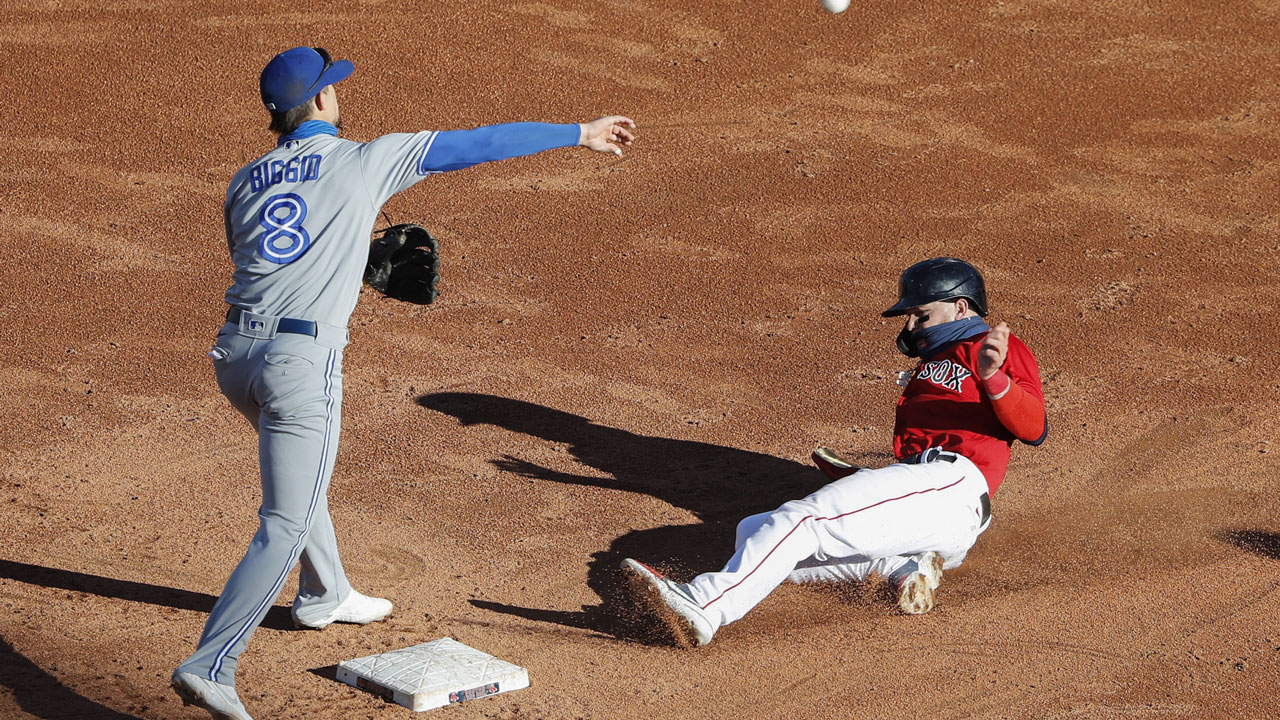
pixel 944 406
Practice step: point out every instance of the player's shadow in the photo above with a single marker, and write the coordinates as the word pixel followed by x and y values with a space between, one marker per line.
pixel 718 484
pixel 1259 542
pixel 278 618
pixel 41 695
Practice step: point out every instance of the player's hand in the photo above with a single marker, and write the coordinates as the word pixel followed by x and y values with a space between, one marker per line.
pixel 993 351
pixel 606 134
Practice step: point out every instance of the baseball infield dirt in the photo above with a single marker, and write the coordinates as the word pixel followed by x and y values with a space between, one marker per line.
pixel 630 354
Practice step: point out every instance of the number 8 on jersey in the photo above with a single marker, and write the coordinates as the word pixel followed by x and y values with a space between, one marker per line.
pixel 285 240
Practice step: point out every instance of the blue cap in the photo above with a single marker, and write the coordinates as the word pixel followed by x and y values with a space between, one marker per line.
pixel 295 76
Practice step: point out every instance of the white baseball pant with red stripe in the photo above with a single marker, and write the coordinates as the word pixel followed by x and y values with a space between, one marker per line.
pixel 873 520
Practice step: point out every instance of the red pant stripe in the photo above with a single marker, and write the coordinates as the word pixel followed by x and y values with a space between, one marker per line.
pixel 816 519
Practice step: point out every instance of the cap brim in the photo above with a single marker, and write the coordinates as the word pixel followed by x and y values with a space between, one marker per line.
pixel 340 70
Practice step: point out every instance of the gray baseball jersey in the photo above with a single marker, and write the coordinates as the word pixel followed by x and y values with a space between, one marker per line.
pixel 298 222
pixel 298 219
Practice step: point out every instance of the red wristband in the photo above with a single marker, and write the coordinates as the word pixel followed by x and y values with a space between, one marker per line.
pixel 997 385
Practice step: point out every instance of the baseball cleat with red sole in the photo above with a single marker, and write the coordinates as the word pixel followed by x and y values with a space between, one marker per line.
pixel 668 602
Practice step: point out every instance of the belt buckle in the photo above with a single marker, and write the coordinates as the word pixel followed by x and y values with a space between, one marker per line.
pixel 262 327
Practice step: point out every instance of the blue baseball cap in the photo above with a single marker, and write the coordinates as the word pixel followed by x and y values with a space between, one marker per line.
pixel 295 76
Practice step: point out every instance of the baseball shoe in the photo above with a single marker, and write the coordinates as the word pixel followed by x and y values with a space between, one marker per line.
pixel 916 582
pixel 220 700
pixel 357 608
pixel 832 465
pixel 670 603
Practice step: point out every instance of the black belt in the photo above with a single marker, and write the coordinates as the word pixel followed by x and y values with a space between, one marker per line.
pixel 285 325
pixel 928 456
pixel 935 454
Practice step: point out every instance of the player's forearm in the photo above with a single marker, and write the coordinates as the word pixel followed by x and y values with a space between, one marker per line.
pixel 458 149
pixel 1018 410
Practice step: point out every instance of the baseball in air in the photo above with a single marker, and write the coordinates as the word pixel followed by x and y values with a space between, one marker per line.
pixel 835 6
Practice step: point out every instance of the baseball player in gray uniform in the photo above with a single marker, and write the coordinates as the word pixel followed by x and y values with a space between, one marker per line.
pixel 298 222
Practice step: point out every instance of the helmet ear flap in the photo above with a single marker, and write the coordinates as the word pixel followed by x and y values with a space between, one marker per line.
pixel 906 343
pixel 977 296
pixel 969 304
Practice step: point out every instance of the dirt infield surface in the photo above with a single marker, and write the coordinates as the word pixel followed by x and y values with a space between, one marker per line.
pixel 630 354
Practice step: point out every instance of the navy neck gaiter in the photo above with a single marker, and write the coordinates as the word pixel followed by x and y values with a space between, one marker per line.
pixel 932 340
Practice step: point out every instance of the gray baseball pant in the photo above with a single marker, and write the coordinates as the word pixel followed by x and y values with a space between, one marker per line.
pixel 289 386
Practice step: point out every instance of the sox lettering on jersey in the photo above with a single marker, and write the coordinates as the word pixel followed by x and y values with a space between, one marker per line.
pixel 945 373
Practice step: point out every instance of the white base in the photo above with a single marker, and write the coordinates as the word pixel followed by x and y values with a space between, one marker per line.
pixel 433 674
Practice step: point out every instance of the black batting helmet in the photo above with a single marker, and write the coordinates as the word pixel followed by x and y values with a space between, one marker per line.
pixel 942 278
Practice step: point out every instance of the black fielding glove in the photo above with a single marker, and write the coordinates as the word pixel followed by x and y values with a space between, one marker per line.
pixel 404 263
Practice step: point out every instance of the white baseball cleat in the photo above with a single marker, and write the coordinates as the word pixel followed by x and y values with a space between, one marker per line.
pixel 220 700
pixel 670 603
pixel 357 608
pixel 916 584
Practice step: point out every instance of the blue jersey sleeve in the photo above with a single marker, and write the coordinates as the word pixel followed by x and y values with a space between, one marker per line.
pixel 458 149
pixel 395 162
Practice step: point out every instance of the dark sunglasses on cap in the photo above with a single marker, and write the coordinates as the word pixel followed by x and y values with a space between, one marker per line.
pixel 328 63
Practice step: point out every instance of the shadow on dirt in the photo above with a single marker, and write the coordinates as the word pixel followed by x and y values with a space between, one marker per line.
pixel 712 481
pixel 720 485
pixel 41 695
pixel 328 672
pixel 1259 542
pixel 278 618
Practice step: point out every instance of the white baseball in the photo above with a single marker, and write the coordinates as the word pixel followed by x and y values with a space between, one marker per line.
pixel 835 6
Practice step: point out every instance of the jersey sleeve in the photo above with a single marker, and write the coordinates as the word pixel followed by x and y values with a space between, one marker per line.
pixel 395 162
pixel 1020 404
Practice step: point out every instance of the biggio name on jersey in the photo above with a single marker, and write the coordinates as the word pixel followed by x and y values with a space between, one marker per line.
pixel 274 172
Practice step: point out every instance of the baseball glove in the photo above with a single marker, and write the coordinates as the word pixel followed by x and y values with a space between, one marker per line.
pixel 404 263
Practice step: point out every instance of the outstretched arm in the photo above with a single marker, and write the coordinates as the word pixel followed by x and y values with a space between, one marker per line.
pixel 458 149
